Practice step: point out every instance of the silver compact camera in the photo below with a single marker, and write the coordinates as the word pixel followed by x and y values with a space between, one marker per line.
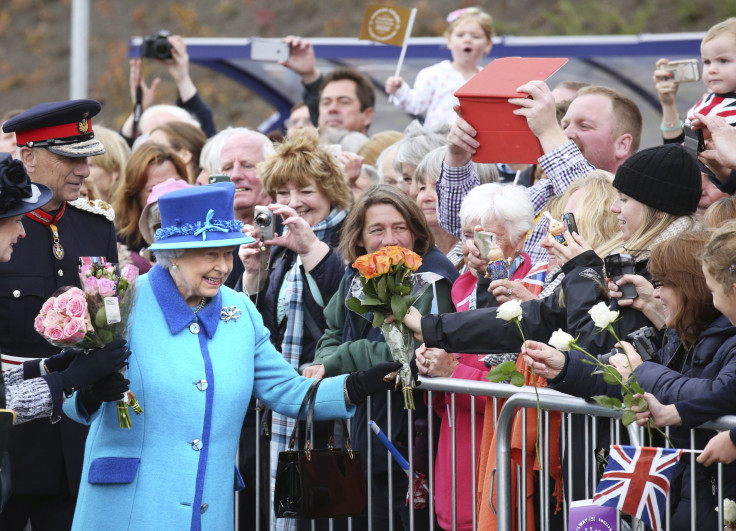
pixel 263 220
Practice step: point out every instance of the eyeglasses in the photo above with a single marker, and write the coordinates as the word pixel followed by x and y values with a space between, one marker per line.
pixel 656 284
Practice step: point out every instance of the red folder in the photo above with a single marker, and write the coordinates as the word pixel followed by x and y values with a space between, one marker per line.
pixel 504 136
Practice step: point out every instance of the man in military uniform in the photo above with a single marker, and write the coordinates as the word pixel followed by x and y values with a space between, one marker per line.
pixel 54 140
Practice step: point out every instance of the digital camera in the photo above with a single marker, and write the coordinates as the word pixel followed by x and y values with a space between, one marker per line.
pixel 643 341
pixel 156 46
pixel 263 219
pixel 618 265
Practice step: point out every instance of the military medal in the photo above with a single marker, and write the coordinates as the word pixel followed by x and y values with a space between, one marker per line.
pixel 44 218
pixel 56 247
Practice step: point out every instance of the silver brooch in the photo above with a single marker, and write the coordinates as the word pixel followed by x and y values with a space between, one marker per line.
pixel 230 313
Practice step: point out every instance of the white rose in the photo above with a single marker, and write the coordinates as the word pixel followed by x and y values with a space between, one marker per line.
pixel 509 310
pixel 561 340
pixel 602 315
pixel 729 511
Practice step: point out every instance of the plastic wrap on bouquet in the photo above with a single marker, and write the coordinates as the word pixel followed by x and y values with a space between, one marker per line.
pixel 400 341
pixel 399 338
pixel 91 317
pixel 110 290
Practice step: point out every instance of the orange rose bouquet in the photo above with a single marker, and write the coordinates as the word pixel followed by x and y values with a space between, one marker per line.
pixel 386 285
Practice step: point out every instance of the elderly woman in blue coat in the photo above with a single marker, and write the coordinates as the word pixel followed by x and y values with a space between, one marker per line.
pixel 199 351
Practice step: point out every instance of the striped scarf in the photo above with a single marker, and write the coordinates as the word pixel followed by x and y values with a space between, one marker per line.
pixel 291 348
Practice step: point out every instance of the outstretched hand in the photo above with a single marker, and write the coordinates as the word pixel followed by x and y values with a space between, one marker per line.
pixel 380 377
pixel 545 360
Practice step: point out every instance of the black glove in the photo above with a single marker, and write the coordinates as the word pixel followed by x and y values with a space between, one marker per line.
pixel 6 423
pixel 60 361
pixel 361 384
pixel 107 389
pixel 85 369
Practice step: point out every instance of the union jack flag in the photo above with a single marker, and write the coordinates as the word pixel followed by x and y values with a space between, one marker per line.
pixel 534 279
pixel 715 105
pixel 637 480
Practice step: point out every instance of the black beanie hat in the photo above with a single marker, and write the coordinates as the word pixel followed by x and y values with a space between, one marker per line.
pixel 664 177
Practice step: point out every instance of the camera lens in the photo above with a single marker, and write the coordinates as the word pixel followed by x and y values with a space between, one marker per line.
pixel 262 220
pixel 605 358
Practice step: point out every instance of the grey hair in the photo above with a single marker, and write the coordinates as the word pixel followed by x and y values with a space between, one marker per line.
pixel 353 141
pixel 508 203
pixel 209 158
pixel 165 257
pixel 372 173
pixel 180 114
pixel 382 157
pixel 431 165
pixel 486 172
pixel 417 142
pixel 249 135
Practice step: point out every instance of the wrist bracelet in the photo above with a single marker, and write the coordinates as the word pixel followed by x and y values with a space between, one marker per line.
pixel 671 128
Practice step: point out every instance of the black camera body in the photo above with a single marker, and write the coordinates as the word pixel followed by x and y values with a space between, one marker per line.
pixel 643 341
pixel 618 265
pixel 156 46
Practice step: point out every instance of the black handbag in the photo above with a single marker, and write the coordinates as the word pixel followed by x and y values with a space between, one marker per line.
pixel 319 483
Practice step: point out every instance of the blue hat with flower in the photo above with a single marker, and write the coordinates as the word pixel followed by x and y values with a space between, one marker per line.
pixel 199 217
pixel 18 194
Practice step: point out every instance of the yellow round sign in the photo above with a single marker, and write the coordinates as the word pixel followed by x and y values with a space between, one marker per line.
pixel 384 24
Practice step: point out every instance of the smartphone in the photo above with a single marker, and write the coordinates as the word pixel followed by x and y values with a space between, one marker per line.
pixel 219 178
pixel 269 50
pixel 263 220
pixel 683 71
pixel 569 220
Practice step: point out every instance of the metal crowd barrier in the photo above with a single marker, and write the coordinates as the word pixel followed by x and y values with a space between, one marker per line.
pixel 524 399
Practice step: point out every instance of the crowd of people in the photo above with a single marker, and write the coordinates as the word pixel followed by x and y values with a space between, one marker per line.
pixel 247 242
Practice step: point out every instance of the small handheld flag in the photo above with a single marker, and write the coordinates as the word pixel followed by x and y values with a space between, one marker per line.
pixel 637 480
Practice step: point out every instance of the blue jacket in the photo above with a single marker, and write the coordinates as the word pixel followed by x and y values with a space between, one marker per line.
pixel 709 366
pixel 175 468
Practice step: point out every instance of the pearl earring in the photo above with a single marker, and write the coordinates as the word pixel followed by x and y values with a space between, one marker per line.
pixel 174 266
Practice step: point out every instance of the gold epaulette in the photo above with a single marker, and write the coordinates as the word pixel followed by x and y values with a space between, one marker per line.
pixel 98 206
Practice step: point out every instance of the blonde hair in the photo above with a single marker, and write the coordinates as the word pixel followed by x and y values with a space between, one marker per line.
pixel 484 20
pixel 719 256
pixel 654 223
pixel 115 158
pixel 727 26
pixel 720 212
pixel 301 161
pixel 377 143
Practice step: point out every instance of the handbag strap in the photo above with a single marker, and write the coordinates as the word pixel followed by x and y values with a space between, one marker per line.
pixel 310 396
pixel 331 435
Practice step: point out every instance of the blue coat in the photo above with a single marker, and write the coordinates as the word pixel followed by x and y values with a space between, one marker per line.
pixel 709 366
pixel 151 476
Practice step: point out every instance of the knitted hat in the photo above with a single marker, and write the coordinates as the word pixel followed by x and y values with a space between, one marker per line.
pixel 664 177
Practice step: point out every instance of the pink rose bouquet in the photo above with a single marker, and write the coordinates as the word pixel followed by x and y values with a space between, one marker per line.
pixel 94 315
